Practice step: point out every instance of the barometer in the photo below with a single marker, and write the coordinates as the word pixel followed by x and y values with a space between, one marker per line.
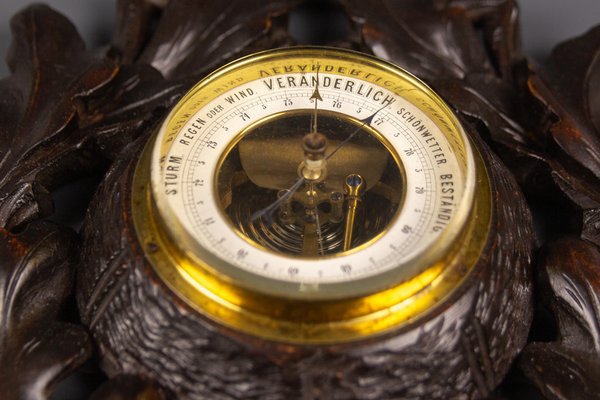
pixel 312 215
pixel 297 182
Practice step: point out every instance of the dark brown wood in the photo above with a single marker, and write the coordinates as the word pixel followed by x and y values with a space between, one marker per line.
pixel 39 150
pixel 221 31
pixel 569 280
pixel 40 147
pixel 143 328
pixel 473 75
pixel 37 268
pixel 65 111
pixel 461 70
pixel 558 160
pixel 127 387
pixel 559 151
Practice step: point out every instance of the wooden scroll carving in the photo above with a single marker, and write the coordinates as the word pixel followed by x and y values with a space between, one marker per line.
pixel 67 112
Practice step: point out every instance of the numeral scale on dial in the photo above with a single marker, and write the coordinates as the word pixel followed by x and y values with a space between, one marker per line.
pixel 434 179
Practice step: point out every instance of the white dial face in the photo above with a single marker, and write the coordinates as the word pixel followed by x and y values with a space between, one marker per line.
pixel 186 165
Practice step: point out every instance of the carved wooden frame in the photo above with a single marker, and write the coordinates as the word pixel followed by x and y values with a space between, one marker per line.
pixel 67 111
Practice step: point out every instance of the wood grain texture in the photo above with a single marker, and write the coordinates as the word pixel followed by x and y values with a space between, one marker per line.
pixel 465 49
pixel 40 144
pixel 65 110
pixel 562 147
pixel 569 279
pixel 40 149
pixel 37 351
pixel 128 387
pixel 562 139
pixel 462 350
pixel 143 329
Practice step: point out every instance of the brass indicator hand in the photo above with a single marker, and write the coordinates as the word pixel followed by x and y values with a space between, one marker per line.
pixel 319 232
pixel 354 186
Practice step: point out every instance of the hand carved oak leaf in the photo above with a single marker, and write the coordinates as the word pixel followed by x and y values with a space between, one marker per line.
pixel 412 34
pixel 194 37
pixel 570 282
pixel 128 107
pixel 36 279
pixel 134 19
pixel 564 104
pixel 39 145
pixel 157 66
pixel 561 373
pixel 574 101
pixel 464 49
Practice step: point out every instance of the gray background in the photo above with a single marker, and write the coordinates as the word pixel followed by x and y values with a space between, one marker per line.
pixel 544 22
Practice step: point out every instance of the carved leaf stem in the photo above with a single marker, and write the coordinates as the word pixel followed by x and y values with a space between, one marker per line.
pixel 570 282
pixel 36 280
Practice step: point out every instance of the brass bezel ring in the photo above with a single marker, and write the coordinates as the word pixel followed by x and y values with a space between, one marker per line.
pixel 227 298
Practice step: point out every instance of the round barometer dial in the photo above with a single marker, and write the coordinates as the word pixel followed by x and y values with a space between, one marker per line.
pixel 304 194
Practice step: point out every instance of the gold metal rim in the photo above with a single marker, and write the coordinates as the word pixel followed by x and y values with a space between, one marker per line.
pixel 276 316
pixel 409 87
pixel 308 322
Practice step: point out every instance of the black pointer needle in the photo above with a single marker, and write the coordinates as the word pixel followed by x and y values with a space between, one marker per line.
pixel 270 209
pixel 366 121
